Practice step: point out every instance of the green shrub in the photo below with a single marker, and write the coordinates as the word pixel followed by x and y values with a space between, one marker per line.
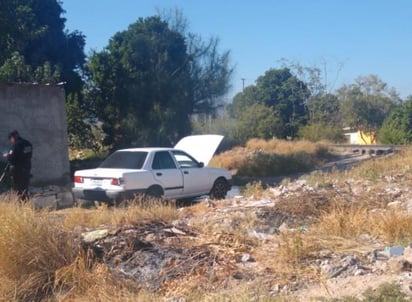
pixel 317 132
pixel 266 164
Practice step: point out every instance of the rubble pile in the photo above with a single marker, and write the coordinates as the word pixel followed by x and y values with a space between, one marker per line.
pixel 153 254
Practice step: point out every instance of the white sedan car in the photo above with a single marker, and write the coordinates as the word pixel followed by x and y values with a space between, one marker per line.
pixel 168 173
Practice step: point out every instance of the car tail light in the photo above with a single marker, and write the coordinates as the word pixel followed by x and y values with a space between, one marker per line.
pixel 117 181
pixel 78 179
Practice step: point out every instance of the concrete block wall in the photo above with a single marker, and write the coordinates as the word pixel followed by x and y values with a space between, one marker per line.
pixel 38 112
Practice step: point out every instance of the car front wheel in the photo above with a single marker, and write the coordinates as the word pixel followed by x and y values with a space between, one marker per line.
pixel 219 189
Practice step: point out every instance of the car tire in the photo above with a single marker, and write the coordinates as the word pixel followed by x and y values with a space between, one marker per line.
pixel 219 189
pixel 154 193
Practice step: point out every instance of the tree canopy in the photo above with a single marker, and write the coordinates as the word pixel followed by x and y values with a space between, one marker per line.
pixel 397 127
pixel 36 47
pixel 366 103
pixel 146 83
pixel 282 92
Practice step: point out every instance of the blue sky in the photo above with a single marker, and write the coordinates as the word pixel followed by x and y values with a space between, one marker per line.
pixel 364 36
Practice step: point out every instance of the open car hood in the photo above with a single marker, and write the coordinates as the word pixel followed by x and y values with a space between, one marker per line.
pixel 201 147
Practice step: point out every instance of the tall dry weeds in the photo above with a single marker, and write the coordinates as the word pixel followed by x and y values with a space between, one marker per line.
pixel 272 157
pixel 137 211
pixel 32 248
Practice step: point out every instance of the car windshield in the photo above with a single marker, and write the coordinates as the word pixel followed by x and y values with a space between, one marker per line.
pixel 125 160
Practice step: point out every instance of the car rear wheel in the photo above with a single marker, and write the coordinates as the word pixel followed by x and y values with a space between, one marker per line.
pixel 219 189
pixel 154 193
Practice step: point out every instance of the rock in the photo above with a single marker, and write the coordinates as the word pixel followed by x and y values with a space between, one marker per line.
pixel 260 235
pixel 284 228
pixel 359 272
pixel 175 299
pixel 247 258
pixel 92 236
pixel 398 265
pixel 41 202
pixel 394 251
pixel 65 200
pixel 349 260
pixel 394 204
pixel 408 206
pixel 364 237
pixel 174 230
pixel 237 276
pixel 276 289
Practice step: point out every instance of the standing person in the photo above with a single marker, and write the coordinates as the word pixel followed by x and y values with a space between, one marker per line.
pixel 19 158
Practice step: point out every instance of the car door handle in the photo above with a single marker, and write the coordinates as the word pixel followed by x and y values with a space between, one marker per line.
pixel 186 172
pixel 159 174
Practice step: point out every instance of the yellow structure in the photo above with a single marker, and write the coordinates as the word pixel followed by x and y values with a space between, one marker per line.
pixel 361 138
pixel 366 138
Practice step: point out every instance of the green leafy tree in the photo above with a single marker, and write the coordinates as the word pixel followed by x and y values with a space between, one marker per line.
pixel 366 103
pixel 258 120
pixel 322 131
pixel 16 69
pixel 281 91
pixel 143 85
pixel 36 47
pixel 324 109
pixel 33 32
pixel 80 126
pixel 397 127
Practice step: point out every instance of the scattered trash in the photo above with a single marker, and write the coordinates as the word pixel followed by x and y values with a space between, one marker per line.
pixel 394 251
pixel 247 258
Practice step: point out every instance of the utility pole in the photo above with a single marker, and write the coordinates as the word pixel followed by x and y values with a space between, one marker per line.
pixel 243 84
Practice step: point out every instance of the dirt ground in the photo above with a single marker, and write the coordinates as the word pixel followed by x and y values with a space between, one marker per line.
pixel 328 234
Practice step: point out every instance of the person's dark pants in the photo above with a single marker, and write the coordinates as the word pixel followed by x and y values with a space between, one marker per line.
pixel 20 184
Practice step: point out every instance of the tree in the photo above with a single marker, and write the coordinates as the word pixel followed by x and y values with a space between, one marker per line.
pixel 366 103
pixel 142 85
pixel 210 70
pixel 280 90
pixel 322 131
pixel 36 47
pixel 258 120
pixel 16 69
pixel 323 104
pixel 83 132
pixel 144 88
pixel 397 127
pixel 34 32
pixel 324 109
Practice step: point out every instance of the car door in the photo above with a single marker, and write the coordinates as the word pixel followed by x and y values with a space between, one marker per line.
pixel 195 177
pixel 167 174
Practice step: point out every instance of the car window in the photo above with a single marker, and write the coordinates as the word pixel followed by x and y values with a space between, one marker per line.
pixel 162 160
pixel 125 160
pixel 185 160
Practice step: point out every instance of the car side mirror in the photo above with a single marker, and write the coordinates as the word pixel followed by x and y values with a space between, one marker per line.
pixel 201 165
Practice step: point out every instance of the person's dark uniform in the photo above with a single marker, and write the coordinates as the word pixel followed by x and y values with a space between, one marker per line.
pixel 19 159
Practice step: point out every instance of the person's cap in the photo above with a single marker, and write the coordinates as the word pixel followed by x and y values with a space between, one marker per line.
pixel 14 134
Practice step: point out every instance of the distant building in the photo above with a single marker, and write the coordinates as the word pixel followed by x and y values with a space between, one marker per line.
pixel 359 137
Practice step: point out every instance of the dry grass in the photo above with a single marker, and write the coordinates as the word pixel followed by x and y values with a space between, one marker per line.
pixel 343 221
pixel 39 257
pixel 32 249
pixel 137 211
pixel 271 157
pixel 395 226
pixel 295 246
pixel 254 190
pixel 279 146
pixel 347 223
